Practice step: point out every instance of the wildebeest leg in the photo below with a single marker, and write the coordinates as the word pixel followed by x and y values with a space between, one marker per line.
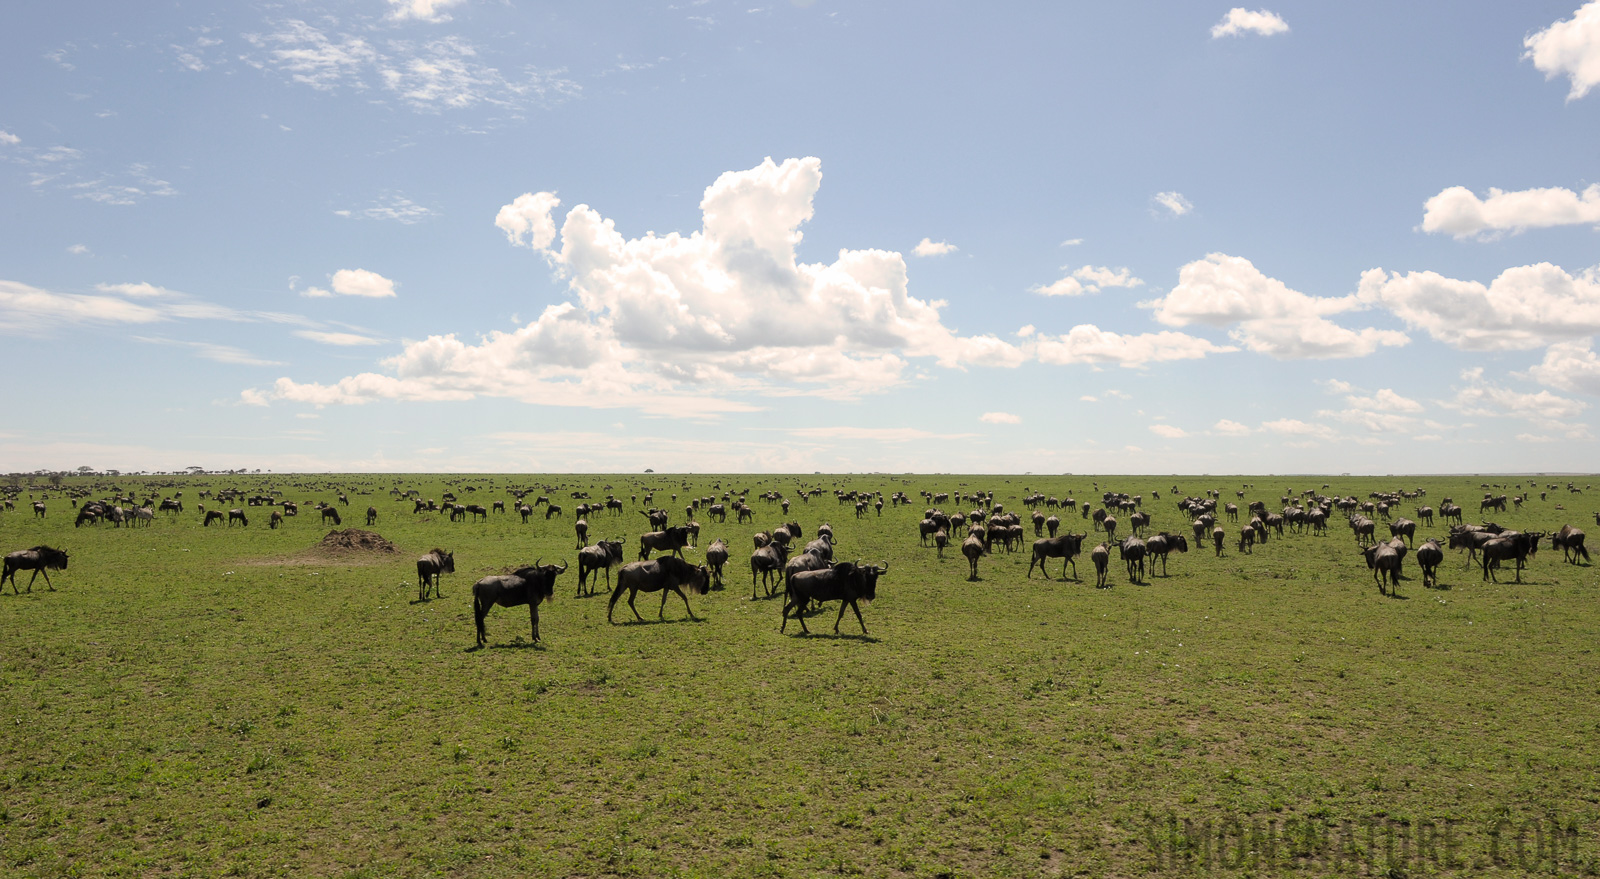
pixel 480 610
pixel 632 594
pixel 533 619
pixel 851 603
pixel 47 582
pixel 685 598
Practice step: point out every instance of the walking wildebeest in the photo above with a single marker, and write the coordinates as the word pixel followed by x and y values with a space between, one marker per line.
pixel 602 556
pixel 673 539
pixel 844 582
pixel 529 586
pixel 1570 541
pixel 974 549
pixel 239 515
pixel 40 559
pixel 716 557
pixel 1384 560
pixel 581 528
pixel 372 516
pixel 1066 547
pixel 1101 556
pixel 1217 538
pixel 38 512
pixel 1508 545
pixel 768 561
pixel 1429 557
pixel 1132 552
pixel 659 575
pixel 1161 544
pixel 429 567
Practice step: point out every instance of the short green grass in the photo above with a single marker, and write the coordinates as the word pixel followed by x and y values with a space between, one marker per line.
pixel 210 701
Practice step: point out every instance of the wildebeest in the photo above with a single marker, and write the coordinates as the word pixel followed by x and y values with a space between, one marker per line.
pixel 716 557
pixel 581 528
pixel 940 541
pixel 213 516
pixel 237 514
pixel 1429 557
pixel 40 559
pixel 1403 528
pixel 331 513
pixel 602 556
pixel 372 516
pixel 1132 552
pixel 844 582
pixel 974 549
pixel 1101 556
pixel 529 586
pixel 1384 560
pixel 1217 537
pixel 1570 541
pixel 1161 544
pixel 38 512
pixel 768 561
pixel 673 539
pixel 429 567
pixel 659 575
pixel 1510 545
pixel 275 520
pixel 1066 547
pixel 552 510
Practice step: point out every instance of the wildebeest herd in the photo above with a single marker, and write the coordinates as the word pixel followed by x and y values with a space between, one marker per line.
pixel 807 575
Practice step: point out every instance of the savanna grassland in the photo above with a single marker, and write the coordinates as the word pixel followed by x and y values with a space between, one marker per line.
pixel 206 701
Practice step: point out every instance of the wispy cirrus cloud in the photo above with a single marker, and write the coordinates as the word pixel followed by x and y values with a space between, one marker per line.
pixel 1088 279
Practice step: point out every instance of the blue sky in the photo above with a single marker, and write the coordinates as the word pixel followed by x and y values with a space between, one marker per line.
pixel 791 236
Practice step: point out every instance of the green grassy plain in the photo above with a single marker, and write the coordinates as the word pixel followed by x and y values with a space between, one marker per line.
pixel 211 701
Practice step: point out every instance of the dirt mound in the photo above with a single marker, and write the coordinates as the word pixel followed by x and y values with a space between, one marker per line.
pixel 355 541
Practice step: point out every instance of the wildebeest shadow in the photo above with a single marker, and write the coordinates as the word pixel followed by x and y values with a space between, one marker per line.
pixel 515 645
pixel 421 601
pixel 829 636
pixel 649 622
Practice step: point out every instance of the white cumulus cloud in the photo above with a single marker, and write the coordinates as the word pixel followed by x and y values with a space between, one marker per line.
pixel 675 323
pixel 1169 431
pixel 1089 279
pixel 1479 397
pixel 9 139
pixel 1461 213
pixel 1524 307
pixel 1000 418
pixel 355 282
pixel 421 10
pixel 1240 20
pixel 1569 366
pixel 1087 343
pixel 929 247
pixel 1268 317
pixel 1569 47
pixel 1225 427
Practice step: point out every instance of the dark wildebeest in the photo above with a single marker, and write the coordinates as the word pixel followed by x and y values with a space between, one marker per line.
pixel 1384 561
pixel 768 561
pixel 659 575
pixel 1066 547
pixel 38 512
pixel 1139 521
pixel 1132 552
pixel 581 528
pixel 1101 556
pixel 1161 544
pixel 716 557
pixel 1570 541
pixel 275 520
pixel 1426 515
pixel 372 516
pixel 529 586
pixel 602 556
pixel 1051 524
pixel 673 539
pixel 524 511
pixel 500 507
pixel 429 567
pixel 1510 545
pixel 1038 524
pixel 940 541
pixel 238 514
pixel 552 510
pixel 1110 524
pixel 168 505
pixel 213 516
pixel 1247 540
pixel 1404 528
pixel 974 549
pixel 1429 557
pixel 1217 537
pixel 40 560
pixel 331 513
pixel 844 582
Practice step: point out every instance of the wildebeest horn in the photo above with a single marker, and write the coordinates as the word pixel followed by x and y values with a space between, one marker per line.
pixel 884 569
pixel 563 567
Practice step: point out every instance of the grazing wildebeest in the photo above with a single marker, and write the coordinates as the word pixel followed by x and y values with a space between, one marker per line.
pixel 1066 547
pixel 237 514
pixel 581 528
pixel 168 505
pixel 1429 557
pixel 372 516
pixel 1161 544
pixel 844 582
pixel 529 586
pixel 1384 560
pixel 1570 541
pixel 429 567
pixel 213 516
pixel 602 556
pixel 673 539
pixel 1217 537
pixel 552 510
pixel 716 557
pixel 768 561
pixel 659 575
pixel 40 559
pixel 1247 540
pixel 500 507
pixel 275 520
pixel 331 513
pixel 1101 556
